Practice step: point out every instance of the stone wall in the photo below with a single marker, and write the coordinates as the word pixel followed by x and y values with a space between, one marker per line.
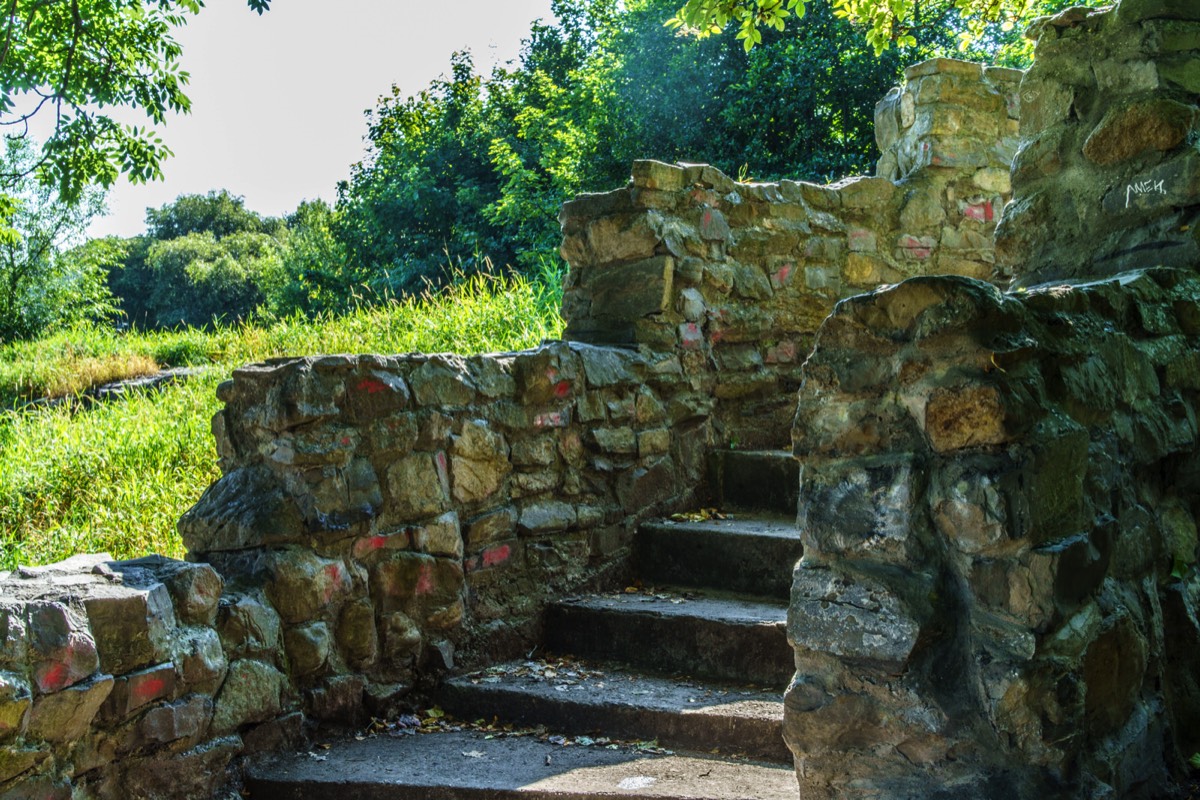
pixel 1108 175
pixel 735 278
pixel 378 520
pixel 998 596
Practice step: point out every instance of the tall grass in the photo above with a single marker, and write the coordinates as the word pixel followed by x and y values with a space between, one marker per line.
pixel 116 477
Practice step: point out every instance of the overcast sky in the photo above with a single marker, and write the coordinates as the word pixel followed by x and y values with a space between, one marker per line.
pixel 278 100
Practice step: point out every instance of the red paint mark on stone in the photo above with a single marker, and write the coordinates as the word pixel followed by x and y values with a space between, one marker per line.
pixel 345 441
pixel 717 336
pixel 149 689
pixel 783 275
pixel 496 555
pixel 53 678
pixel 553 419
pixel 782 353
pixel 562 389
pixel 371 386
pixel 981 212
pixel 690 336
pixel 425 580
pixel 915 247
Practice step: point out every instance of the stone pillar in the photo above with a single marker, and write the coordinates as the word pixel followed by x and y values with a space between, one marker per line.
pixel 1108 174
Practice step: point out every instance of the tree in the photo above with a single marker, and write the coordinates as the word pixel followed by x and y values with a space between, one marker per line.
pixel 887 22
pixel 69 60
pixel 41 288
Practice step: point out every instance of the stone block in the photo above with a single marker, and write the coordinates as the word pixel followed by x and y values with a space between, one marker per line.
pixel 307 648
pixel 417 584
pixel 131 626
pixel 195 589
pixel 400 639
pixel 376 394
pixel 626 292
pixel 15 698
pixel 653 442
pixel 62 653
pixel 188 718
pixel 965 416
pixel 15 761
pixel 443 381
pixel 198 772
pixel 621 238
pixel 850 617
pixel 547 516
pixel 945 66
pixel 339 699
pixel 614 440
pixel 301 585
pixel 649 174
pixel 493 526
pixel 478 462
pixel 356 635
pixel 245 508
pixel 604 367
pixel 1138 10
pixel 252 692
pixel 1127 130
pixel 248 628
pixel 67 715
pixel 134 691
pixel 644 487
pixel 866 193
pixel 416 487
pixel 868 508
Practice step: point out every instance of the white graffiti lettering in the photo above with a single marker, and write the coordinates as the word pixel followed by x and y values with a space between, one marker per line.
pixel 1143 187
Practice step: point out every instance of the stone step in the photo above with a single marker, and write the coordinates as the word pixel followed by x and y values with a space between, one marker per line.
pixel 758 479
pixel 700 634
pixel 750 553
pixel 608 700
pixel 468 766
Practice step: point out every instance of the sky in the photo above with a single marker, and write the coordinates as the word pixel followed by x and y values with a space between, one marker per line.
pixel 278 99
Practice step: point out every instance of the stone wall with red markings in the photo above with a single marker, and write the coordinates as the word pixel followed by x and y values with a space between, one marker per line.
pixel 735 278
pixel 378 519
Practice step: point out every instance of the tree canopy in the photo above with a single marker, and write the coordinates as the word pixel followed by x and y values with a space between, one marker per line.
pixel 68 61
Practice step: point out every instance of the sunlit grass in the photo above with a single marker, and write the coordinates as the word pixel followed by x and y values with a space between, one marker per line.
pixel 116 477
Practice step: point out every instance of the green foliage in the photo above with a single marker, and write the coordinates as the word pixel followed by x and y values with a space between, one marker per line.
pixel 115 478
pixel 476 165
pixel 41 287
pixel 205 258
pixel 989 27
pixel 71 62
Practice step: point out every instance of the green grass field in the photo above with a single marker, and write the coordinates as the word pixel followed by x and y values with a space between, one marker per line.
pixel 116 477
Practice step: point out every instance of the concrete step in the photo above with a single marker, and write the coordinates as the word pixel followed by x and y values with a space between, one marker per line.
pixel 700 634
pixel 758 479
pixel 750 553
pixel 469 766
pixel 578 697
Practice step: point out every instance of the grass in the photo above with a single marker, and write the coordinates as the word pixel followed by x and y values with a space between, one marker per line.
pixel 116 477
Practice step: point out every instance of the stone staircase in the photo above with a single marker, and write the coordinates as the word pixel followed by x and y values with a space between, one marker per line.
pixel 692 659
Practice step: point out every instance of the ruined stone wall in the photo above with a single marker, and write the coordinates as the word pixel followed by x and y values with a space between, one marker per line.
pixel 378 519
pixel 999 592
pixel 736 277
pixel 1108 174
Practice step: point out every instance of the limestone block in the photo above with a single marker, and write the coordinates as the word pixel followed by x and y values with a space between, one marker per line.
pixel 251 693
pixel 1043 104
pixel 649 174
pixel 969 506
pixel 307 648
pixel 547 516
pixel 1165 187
pixel 443 380
pixel 188 718
pixel 416 584
pixel 591 206
pixel 614 440
pixel 198 772
pixel 1138 10
pixel 478 463
pixel 653 442
pixel 494 526
pixel 356 634
pixel 200 660
pixel 965 416
pixel 17 760
pixel 301 585
pixel 850 617
pixel 644 487
pixel 887 120
pixel 339 699
pixel 136 690
pixel 621 238
pixel 945 66
pixel 1127 130
pixel 14 644
pixel 867 508
pixel 604 366
pixel 15 698
pixel 61 651
pixel 376 394
pixel 400 639
pixel 248 627
pixel 244 508
pixel 67 715
pixel 1181 73
pixel 416 487
pixel 195 590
